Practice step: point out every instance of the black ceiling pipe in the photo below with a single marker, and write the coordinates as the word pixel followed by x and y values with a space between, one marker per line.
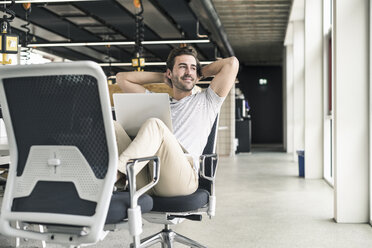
pixel 208 16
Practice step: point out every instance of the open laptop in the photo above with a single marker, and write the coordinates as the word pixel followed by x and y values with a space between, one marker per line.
pixel 133 109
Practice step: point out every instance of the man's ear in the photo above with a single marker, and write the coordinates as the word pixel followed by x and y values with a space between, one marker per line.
pixel 169 74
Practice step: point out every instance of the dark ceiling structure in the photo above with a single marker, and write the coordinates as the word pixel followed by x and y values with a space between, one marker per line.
pixel 253 30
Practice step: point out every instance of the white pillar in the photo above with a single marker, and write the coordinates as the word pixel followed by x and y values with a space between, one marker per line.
pixel 351 114
pixel 313 89
pixel 370 115
pixel 289 99
pixel 298 86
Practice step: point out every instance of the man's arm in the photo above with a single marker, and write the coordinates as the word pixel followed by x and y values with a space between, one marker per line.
pixel 224 72
pixel 131 82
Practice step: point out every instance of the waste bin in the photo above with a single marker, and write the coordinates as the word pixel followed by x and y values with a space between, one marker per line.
pixel 301 163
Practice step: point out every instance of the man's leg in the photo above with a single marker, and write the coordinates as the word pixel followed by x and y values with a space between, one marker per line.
pixel 177 176
pixel 122 138
pixel 122 142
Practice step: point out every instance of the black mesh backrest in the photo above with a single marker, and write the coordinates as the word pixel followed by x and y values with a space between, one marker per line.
pixel 209 149
pixel 58 110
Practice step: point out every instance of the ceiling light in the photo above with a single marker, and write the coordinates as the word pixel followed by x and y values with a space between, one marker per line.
pixel 173 42
pixel 116 43
pixel 147 64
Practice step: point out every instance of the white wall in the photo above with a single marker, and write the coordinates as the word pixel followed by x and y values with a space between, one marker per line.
pixel 298 87
pixel 289 99
pixel 295 80
pixel 351 115
pixel 328 127
pixel 313 89
pixel 370 113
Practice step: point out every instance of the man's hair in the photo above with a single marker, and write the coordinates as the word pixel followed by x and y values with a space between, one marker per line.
pixel 188 50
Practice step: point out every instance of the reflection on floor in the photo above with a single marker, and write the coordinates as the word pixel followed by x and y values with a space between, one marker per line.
pixel 261 202
pixel 267 148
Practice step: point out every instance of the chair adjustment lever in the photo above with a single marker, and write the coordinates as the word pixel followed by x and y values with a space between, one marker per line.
pixel 54 162
pixel 195 217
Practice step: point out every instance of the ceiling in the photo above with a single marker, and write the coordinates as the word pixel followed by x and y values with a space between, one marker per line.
pixel 252 30
pixel 255 28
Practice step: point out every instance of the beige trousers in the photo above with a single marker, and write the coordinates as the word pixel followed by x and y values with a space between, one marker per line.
pixel 177 176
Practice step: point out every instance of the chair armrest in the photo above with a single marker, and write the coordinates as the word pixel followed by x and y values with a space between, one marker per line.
pixel 213 163
pixel 213 169
pixel 134 193
pixel 134 212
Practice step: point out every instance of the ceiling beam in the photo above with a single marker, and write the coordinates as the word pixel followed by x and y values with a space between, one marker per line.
pixel 255 2
pixel 53 37
pixel 208 16
pixel 229 4
pixel 256 25
pixel 256 21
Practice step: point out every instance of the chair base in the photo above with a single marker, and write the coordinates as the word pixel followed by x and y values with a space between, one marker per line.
pixel 167 237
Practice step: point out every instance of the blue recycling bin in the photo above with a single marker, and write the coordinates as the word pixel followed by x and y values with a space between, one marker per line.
pixel 301 163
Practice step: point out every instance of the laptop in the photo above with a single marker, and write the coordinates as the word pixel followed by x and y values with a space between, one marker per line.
pixel 133 109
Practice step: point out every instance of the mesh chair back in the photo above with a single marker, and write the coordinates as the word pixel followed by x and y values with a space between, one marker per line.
pixel 58 110
pixel 61 110
pixel 210 148
pixel 62 146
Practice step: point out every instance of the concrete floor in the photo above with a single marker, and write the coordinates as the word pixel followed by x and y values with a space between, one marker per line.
pixel 260 203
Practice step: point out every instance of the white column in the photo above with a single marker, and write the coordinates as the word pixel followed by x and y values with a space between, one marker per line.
pixel 289 98
pixel 298 87
pixel 370 111
pixel 313 89
pixel 351 113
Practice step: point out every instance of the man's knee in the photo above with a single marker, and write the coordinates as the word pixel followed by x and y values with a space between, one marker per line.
pixel 155 121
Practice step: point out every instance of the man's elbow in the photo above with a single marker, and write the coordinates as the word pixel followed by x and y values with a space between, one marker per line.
pixel 120 77
pixel 121 80
pixel 234 63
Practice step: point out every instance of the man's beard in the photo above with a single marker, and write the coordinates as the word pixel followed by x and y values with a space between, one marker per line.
pixel 183 87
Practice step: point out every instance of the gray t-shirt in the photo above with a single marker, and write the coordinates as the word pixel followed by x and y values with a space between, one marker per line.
pixel 192 120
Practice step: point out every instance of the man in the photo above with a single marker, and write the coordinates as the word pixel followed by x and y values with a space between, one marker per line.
pixel 192 118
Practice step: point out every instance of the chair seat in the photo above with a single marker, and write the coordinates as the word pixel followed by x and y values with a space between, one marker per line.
pixel 181 203
pixel 120 202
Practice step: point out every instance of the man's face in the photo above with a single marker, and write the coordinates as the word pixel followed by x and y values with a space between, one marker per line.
pixel 184 73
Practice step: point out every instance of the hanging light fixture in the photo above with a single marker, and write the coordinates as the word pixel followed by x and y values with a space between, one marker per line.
pixel 139 62
pixel 8 41
pixel 25 52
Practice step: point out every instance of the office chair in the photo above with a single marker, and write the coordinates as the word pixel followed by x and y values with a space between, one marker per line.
pixel 173 210
pixel 63 157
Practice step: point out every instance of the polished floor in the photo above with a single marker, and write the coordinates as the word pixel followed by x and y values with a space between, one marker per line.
pixel 261 202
